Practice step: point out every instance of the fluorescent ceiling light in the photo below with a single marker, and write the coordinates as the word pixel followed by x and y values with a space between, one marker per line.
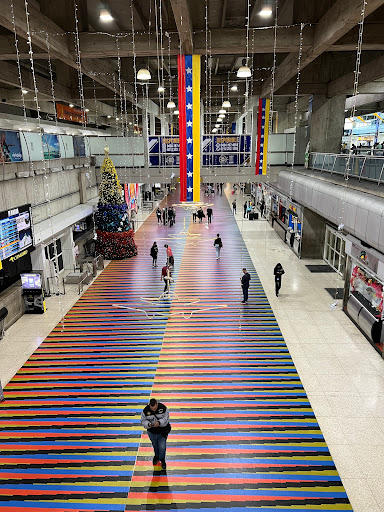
pixel 143 74
pixel 105 15
pixel 227 104
pixel 244 72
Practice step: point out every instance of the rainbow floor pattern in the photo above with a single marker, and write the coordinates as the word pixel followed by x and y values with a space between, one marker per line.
pixel 244 436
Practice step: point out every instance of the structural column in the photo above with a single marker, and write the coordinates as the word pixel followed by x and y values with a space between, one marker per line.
pixel 326 124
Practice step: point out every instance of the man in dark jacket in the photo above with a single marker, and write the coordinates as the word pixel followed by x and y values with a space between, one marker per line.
pixel 209 213
pixel 278 271
pixel 245 278
pixel 155 418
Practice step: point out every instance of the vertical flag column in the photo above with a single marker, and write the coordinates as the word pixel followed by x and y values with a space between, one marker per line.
pixel 190 126
pixel 262 136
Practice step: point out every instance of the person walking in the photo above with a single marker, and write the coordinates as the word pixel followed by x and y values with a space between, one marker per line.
pixel 155 418
pixel 234 206
pixel 278 271
pixel 218 244
pixel 153 253
pixel 200 214
pixel 170 258
pixel 158 215
pixel 262 208
pixel 166 276
pixel 194 214
pixel 245 278
pixel 245 209
pixel 171 216
pixel 209 214
pixel 165 216
pixel 221 189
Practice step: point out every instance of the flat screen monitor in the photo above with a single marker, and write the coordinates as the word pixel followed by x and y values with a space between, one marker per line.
pixel 15 232
pixel 31 281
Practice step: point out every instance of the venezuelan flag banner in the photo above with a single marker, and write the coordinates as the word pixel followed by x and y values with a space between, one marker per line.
pixel 262 136
pixel 189 76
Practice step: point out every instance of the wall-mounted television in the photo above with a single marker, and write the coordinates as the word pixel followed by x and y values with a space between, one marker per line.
pixel 16 237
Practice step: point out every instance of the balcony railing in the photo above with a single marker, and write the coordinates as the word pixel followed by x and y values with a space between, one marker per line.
pixel 363 167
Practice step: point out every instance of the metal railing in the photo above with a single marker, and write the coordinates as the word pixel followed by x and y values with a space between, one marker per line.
pixel 363 167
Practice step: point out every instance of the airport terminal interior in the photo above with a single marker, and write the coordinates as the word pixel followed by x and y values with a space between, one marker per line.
pixel 191 255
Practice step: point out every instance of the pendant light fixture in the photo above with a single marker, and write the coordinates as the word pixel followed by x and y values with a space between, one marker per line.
pixel 234 88
pixel 171 104
pixel 143 74
pixel 227 104
pixel 160 89
pixel 221 116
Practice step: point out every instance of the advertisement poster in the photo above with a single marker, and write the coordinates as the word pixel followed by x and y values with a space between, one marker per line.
pixel 79 145
pixel 51 146
pixel 10 147
pixel 164 151
pixel 70 113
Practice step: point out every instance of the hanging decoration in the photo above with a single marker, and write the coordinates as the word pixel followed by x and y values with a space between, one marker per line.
pixel 114 234
pixel 262 136
pixel 189 126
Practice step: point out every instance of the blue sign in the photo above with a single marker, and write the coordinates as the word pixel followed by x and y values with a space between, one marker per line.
pixel 51 146
pixel 79 145
pixel 10 147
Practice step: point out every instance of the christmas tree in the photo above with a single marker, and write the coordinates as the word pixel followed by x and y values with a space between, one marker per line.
pixel 114 234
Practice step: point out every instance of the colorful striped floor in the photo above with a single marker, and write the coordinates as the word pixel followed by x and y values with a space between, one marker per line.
pixel 244 435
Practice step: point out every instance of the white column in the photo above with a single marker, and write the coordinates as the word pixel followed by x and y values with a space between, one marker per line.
pixel 67 248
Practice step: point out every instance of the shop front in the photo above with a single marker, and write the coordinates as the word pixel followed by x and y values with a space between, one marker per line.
pixel 363 297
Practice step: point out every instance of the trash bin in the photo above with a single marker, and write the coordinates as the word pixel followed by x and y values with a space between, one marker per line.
pixel 3 316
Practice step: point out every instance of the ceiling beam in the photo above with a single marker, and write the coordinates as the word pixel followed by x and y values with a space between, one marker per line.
pixel 101 72
pixel 225 41
pixel 183 21
pixel 335 23
pixel 370 72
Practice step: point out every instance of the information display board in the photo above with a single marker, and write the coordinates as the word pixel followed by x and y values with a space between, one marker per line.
pixel 226 150
pixel 15 233
pixel 164 151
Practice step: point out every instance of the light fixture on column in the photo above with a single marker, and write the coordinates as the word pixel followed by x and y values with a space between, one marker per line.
pixel 143 74
pixel 266 9
pixel 105 15
pixel 171 104
pixel 227 104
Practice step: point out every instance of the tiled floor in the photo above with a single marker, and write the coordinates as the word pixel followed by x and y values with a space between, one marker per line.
pixel 342 373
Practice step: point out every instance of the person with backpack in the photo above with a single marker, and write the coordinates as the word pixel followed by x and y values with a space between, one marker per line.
pixel 153 253
pixel 218 244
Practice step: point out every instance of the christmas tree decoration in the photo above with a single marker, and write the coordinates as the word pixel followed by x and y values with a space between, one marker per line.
pixel 113 228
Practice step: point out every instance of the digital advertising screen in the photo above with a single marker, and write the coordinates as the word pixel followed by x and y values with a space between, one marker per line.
pixel 15 233
pixel 31 281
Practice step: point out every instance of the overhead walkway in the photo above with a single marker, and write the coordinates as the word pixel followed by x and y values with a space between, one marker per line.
pixel 244 436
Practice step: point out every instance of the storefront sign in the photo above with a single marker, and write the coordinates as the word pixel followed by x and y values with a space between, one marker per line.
pixel 70 113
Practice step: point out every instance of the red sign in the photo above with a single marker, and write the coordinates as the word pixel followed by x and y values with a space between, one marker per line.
pixel 70 113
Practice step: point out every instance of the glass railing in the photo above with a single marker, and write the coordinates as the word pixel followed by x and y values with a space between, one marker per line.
pixel 363 167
